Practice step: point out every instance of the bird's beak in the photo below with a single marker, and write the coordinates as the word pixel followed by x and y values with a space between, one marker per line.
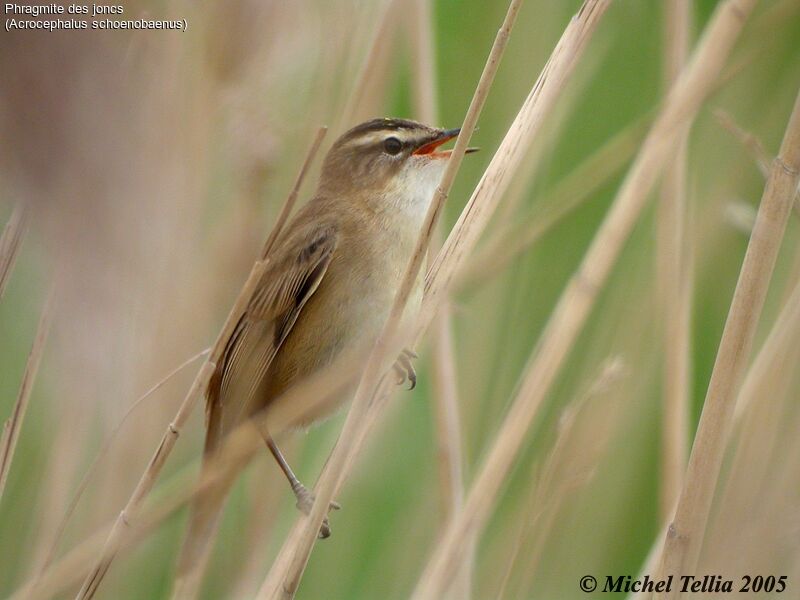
pixel 429 148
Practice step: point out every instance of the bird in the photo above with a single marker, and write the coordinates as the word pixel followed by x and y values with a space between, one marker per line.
pixel 328 288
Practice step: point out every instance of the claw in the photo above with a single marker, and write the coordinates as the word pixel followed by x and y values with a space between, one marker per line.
pixel 324 529
pixel 405 368
pixel 305 500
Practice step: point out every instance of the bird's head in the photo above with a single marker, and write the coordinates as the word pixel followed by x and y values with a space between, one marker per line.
pixel 396 160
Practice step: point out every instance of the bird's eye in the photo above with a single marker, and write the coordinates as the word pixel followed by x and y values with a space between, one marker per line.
pixel 392 146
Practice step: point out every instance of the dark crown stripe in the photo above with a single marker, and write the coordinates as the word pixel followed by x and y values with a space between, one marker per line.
pixel 381 125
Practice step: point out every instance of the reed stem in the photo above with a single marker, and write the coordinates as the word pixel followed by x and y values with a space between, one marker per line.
pixel 684 537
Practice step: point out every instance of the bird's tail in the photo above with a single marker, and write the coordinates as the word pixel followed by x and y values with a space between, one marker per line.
pixel 205 512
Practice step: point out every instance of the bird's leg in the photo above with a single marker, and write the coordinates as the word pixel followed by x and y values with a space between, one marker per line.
pixel 305 499
pixel 405 368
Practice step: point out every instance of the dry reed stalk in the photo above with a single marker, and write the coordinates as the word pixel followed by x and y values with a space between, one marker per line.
pixel 69 569
pixel 12 426
pixel 264 500
pixel 539 155
pixel 673 272
pixel 685 535
pixel 752 144
pixel 528 517
pixel 496 179
pixel 567 195
pixel 148 479
pixel 449 442
pixel 447 419
pixel 308 395
pixel 546 90
pixel 420 29
pixel 761 413
pixel 10 242
pixel 104 450
pixel 62 573
pixel 510 155
pixel 573 307
pixel 291 199
pixel 556 484
pixel 72 567
pixel 284 576
pixel 382 38
pixel 782 335
pixel 650 565
pixel 197 389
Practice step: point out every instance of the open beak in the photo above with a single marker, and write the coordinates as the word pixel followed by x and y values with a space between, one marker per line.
pixel 430 148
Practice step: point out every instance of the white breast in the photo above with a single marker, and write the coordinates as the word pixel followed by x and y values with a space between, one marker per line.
pixel 414 187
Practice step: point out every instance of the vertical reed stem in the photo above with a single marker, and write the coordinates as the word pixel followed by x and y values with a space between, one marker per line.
pixel 10 242
pixel 673 274
pixel 449 452
pixel 578 298
pixel 12 427
pixel 284 577
pixel 197 390
pixel 684 537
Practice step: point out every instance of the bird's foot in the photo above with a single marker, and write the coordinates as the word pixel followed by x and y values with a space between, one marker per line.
pixel 404 368
pixel 305 500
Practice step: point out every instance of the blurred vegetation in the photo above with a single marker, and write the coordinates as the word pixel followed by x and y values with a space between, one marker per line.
pixel 211 133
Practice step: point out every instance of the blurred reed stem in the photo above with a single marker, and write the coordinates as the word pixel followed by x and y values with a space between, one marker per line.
pixel 473 220
pixel 197 390
pixel 753 146
pixel 10 243
pixel 783 333
pixel 578 298
pixel 750 142
pixel 512 239
pixel 673 270
pixel 284 576
pixel 70 568
pixel 149 477
pixel 291 199
pixel 104 449
pixel 420 29
pixel 447 418
pixel 569 194
pixel 555 485
pixel 12 426
pixel 685 535
pixel 768 367
pixel 382 38
pixel 237 448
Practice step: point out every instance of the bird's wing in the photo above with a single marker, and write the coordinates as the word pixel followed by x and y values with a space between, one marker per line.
pixel 295 272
